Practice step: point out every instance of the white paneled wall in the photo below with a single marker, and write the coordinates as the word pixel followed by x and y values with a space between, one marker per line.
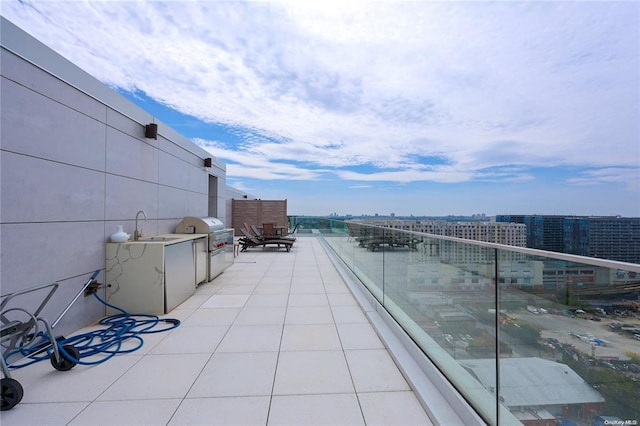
pixel 74 164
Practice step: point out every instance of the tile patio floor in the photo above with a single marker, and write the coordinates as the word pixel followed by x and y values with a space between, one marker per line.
pixel 277 339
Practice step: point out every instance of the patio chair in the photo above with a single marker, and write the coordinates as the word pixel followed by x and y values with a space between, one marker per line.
pixel 264 236
pixel 249 241
pixel 249 229
pixel 268 230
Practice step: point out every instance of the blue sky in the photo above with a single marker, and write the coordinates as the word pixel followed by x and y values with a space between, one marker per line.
pixel 353 107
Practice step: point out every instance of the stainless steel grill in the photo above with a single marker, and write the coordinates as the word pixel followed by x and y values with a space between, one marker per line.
pixel 220 241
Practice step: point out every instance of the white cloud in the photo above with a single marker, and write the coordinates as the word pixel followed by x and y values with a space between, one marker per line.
pixel 627 177
pixel 404 176
pixel 258 166
pixel 479 85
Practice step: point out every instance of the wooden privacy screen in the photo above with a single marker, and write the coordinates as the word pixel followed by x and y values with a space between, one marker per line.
pixel 257 212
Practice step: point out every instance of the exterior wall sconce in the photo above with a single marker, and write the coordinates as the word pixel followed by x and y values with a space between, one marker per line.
pixel 151 131
pixel 208 162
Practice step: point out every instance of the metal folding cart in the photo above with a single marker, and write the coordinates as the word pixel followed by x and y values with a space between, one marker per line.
pixel 21 336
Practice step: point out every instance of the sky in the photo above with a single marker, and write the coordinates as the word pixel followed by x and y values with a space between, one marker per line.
pixel 362 107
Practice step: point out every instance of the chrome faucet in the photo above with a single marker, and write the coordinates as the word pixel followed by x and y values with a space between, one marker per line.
pixel 137 234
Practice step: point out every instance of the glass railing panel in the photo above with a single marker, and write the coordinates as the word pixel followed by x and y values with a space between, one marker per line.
pixel 357 245
pixel 304 225
pixel 368 259
pixel 533 335
pixel 339 238
pixel 568 329
pixel 442 293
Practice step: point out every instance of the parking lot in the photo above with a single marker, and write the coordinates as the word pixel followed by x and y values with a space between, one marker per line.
pixel 564 329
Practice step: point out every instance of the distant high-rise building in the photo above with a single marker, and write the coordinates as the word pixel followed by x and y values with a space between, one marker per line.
pixel 512 234
pixel 609 237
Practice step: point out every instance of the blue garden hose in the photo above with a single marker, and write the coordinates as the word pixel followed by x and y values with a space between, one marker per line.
pixel 108 342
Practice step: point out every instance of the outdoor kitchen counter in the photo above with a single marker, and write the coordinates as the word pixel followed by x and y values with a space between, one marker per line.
pixel 154 274
pixel 165 239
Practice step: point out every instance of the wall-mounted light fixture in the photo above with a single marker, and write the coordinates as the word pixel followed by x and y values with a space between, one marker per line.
pixel 151 131
pixel 208 162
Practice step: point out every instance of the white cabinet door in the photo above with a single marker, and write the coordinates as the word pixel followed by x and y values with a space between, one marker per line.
pixel 179 274
pixel 200 247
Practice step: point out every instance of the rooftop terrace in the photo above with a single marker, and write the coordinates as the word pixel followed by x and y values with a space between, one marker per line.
pixel 278 338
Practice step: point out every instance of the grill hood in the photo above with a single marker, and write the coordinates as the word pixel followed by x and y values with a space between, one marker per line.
pixel 199 225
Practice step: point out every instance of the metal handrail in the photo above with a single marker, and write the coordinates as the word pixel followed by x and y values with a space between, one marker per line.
pixel 606 263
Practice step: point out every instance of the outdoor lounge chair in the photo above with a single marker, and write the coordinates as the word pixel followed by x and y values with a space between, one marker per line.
pixel 250 230
pixel 263 236
pixel 249 241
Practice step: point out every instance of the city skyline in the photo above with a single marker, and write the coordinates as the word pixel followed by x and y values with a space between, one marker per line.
pixel 408 108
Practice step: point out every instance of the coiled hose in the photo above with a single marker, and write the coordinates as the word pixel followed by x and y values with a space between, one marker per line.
pixel 103 343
